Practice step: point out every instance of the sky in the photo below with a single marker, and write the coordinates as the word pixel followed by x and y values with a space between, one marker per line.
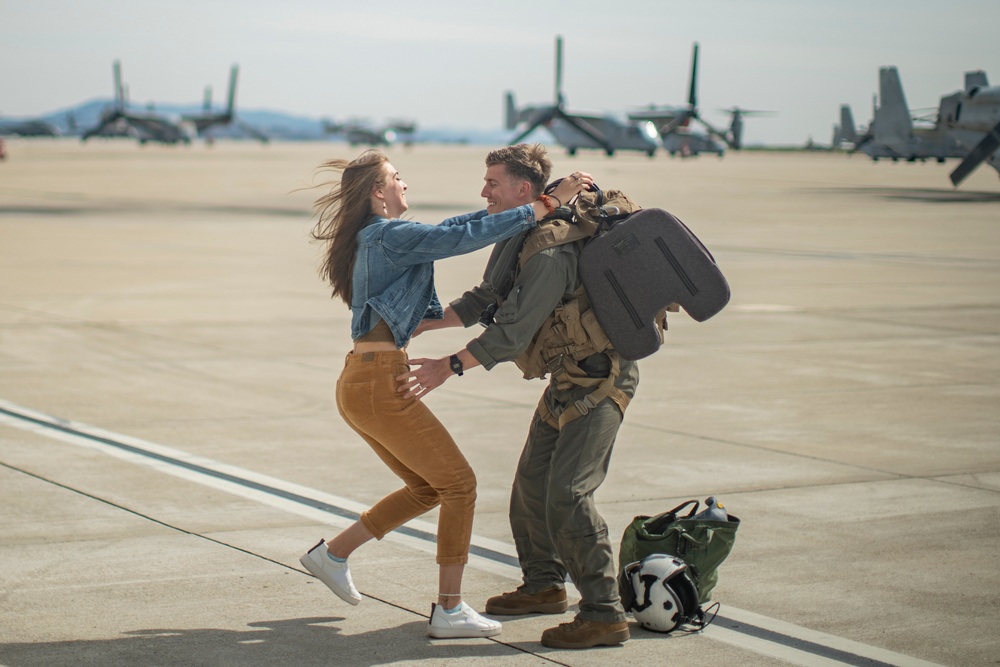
pixel 448 63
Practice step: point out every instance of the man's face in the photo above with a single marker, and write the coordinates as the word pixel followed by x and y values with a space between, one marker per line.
pixel 502 192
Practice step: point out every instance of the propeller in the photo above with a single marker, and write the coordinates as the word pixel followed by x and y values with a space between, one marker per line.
pixel 986 147
pixel 252 131
pixel 736 124
pixel 677 117
pixel 231 101
pixel 545 115
pixel 110 115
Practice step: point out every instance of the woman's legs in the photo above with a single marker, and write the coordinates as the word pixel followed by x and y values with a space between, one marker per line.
pixel 416 446
pixel 352 537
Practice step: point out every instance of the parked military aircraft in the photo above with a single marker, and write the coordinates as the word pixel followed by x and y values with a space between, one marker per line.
pixel 28 127
pixel 846 134
pixel 685 142
pixel 208 119
pixel 892 133
pixel 577 130
pixel 364 133
pixel 669 120
pixel 119 120
pixel 972 116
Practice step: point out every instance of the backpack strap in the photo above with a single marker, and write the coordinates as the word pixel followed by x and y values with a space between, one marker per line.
pixel 570 372
pixel 551 232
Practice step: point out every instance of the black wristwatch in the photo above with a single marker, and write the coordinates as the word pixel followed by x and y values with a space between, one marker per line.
pixel 456 364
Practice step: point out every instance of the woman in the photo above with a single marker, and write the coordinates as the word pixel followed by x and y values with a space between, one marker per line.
pixel 382 267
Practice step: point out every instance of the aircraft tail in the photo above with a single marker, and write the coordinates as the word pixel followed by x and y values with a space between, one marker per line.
pixel 510 112
pixel 847 132
pixel 893 125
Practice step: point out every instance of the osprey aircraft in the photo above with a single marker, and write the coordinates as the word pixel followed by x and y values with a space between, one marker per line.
pixel 28 127
pixel 672 123
pixel 364 133
pixel 972 116
pixel 892 133
pixel 967 126
pixel 576 130
pixel 207 118
pixel 118 120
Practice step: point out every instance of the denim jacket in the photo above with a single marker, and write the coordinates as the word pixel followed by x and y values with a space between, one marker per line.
pixel 393 275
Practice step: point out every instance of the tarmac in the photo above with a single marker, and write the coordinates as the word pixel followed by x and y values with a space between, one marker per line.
pixel 169 443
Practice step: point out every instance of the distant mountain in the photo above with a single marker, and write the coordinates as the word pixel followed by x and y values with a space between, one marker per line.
pixel 275 124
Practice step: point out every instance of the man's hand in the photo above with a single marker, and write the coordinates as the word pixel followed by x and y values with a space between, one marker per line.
pixel 431 374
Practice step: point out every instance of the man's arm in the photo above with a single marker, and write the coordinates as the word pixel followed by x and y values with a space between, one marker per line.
pixel 462 312
pixel 450 319
pixel 540 286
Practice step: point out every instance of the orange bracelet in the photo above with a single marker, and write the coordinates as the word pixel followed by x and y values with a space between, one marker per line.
pixel 547 203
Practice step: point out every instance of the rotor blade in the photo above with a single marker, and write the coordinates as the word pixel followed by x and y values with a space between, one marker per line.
pixel 541 118
pixel 519 138
pixel 559 95
pixel 693 94
pixel 674 123
pixel 861 142
pixel 232 90
pixel 510 112
pixel 253 132
pixel 119 91
pixel 595 136
pixel 714 132
pixel 985 148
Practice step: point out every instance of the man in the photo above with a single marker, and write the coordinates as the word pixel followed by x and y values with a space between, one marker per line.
pixel 556 526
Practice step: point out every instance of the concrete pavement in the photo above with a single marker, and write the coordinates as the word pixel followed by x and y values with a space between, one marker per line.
pixel 169 444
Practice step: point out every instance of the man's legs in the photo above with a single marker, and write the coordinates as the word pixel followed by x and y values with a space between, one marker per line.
pixel 536 551
pixel 579 465
pixel 553 517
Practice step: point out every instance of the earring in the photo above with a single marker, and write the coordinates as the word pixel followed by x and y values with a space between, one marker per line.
pixel 385 209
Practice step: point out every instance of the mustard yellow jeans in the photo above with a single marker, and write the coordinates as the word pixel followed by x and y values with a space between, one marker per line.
pixel 406 435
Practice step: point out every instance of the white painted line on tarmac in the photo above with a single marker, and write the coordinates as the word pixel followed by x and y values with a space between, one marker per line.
pixel 747 630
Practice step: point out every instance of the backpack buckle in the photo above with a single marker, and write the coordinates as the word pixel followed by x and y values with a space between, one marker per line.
pixel 584 405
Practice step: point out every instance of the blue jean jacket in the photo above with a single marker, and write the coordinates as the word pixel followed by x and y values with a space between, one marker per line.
pixel 394 268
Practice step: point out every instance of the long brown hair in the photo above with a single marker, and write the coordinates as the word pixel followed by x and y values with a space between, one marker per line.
pixel 343 212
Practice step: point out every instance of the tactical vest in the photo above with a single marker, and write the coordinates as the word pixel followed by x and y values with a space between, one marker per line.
pixel 572 333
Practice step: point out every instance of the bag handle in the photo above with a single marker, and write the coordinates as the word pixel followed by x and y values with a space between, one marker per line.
pixel 660 521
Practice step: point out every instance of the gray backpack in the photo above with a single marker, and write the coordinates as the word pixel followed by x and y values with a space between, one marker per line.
pixel 639 263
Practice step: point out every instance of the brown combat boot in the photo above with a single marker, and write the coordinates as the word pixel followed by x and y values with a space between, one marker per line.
pixel 585 634
pixel 550 601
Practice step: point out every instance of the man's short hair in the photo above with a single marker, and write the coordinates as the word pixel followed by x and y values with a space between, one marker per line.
pixel 527 162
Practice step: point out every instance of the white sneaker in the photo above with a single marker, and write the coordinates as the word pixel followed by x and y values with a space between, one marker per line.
pixel 337 576
pixel 464 623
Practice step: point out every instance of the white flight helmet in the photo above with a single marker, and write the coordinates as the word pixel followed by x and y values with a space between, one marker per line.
pixel 660 594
